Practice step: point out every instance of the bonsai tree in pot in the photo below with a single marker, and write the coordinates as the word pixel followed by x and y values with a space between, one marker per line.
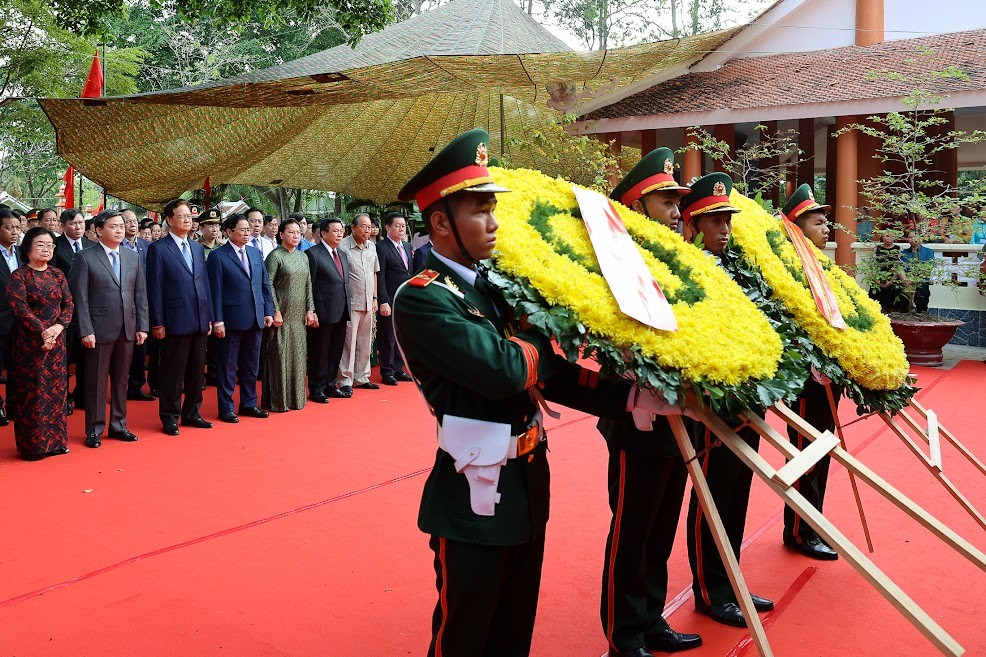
pixel 911 202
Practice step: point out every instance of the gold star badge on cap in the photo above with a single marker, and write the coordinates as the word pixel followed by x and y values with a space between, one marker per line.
pixel 669 167
pixel 482 157
pixel 719 189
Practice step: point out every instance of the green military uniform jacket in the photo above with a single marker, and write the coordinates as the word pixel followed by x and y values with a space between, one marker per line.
pixel 458 350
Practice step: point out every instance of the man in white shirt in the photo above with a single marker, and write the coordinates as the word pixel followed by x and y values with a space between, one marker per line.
pixel 361 254
pixel 257 239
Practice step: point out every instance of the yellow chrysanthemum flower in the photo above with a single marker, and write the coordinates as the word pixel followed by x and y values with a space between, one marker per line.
pixel 868 351
pixel 721 338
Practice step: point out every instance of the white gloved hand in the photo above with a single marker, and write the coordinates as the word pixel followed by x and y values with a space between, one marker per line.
pixel 642 419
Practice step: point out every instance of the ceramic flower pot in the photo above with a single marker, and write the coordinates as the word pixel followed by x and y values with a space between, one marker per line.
pixel 923 339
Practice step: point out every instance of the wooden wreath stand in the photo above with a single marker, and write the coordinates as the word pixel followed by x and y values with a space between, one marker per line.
pixel 782 480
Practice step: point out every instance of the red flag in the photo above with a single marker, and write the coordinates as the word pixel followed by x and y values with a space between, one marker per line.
pixel 98 210
pixel 69 179
pixel 94 83
pixel 208 193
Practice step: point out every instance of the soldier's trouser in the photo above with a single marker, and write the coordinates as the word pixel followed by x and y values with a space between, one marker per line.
pixel 813 406
pixel 487 598
pixel 646 488
pixel 729 481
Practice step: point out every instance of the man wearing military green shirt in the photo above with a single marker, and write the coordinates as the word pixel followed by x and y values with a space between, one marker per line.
pixel 485 502
pixel 813 403
pixel 646 476
pixel 706 211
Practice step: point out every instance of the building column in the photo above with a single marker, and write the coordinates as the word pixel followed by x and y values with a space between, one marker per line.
pixel 691 164
pixel 725 132
pixel 773 163
pixel 869 22
pixel 831 166
pixel 846 201
pixel 648 141
pixel 806 159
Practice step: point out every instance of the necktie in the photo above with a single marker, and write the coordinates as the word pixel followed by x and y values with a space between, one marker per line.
pixel 132 247
pixel 335 258
pixel 256 243
pixel 400 249
pixel 245 262
pixel 496 299
pixel 75 245
pixel 115 261
pixel 185 253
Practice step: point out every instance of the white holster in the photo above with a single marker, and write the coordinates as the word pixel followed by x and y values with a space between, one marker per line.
pixel 480 449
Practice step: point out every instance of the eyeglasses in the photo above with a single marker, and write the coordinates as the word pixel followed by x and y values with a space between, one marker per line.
pixel 44 247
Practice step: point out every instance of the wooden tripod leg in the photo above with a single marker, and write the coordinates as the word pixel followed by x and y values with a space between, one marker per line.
pixel 852 477
pixel 708 507
pixel 935 471
pixel 951 438
pixel 853 555
pixel 894 496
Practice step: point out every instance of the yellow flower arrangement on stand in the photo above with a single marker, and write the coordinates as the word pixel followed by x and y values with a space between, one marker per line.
pixel 546 268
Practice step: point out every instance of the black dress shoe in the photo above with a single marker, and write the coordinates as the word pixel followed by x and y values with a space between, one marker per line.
pixel 367 386
pixel 196 422
pixel 68 408
pixel 390 380
pixel 345 392
pixel 727 613
pixel 124 435
pixel 139 395
pixel 253 411
pixel 671 641
pixel 4 420
pixel 58 452
pixel 319 399
pixel 229 416
pixel 761 604
pixel 812 547
pixel 171 429
pixel 92 440
pixel 403 376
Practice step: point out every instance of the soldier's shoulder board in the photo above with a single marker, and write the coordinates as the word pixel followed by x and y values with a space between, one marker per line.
pixel 423 279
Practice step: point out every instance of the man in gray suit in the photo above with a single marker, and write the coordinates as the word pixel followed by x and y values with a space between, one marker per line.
pixel 110 294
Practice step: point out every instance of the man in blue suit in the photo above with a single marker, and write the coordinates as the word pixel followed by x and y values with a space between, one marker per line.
pixel 181 314
pixel 138 375
pixel 244 307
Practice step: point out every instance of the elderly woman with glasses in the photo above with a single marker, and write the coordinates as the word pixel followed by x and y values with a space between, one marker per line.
pixel 42 305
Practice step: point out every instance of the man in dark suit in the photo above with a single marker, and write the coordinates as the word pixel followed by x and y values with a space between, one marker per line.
pixel 394 254
pixel 243 306
pixel 138 375
pixel 330 283
pixel 10 229
pixel 420 254
pixel 110 293
pixel 67 245
pixel 180 307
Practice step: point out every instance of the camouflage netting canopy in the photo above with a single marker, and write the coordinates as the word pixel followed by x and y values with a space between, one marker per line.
pixel 359 121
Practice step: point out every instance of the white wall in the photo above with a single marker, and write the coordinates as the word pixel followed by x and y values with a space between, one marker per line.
pixel 823 24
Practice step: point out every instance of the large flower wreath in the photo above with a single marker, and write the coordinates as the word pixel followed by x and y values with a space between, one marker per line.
pixel 866 358
pixel 545 266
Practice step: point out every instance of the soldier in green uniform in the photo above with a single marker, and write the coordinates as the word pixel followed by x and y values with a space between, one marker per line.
pixel 707 211
pixel 646 475
pixel 485 502
pixel 211 234
pixel 813 403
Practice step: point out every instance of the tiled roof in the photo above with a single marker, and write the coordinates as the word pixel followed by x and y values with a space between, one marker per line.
pixel 833 75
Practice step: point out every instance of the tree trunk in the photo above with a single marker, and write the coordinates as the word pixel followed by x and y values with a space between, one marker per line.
pixel 695 4
pixel 674 19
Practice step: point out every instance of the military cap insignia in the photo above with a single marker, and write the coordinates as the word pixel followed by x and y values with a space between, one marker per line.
pixel 424 279
pixel 719 189
pixel 482 157
pixel 810 195
pixel 669 167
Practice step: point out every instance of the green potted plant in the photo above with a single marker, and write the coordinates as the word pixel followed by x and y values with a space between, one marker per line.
pixel 909 202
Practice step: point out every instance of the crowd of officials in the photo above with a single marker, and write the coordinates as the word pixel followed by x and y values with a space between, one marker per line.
pixel 146 310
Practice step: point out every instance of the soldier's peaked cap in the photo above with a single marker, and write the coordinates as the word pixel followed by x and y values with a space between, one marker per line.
pixel 801 201
pixel 708 194
pixel 654 173
pixel 210 216
pixel 460 167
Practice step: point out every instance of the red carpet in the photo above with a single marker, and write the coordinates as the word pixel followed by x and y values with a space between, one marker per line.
pixel 296 536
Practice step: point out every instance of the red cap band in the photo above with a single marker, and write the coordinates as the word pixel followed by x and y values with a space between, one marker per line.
pixel 473 174
pixel 707 204
pixel 656 181
pixel 800 208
